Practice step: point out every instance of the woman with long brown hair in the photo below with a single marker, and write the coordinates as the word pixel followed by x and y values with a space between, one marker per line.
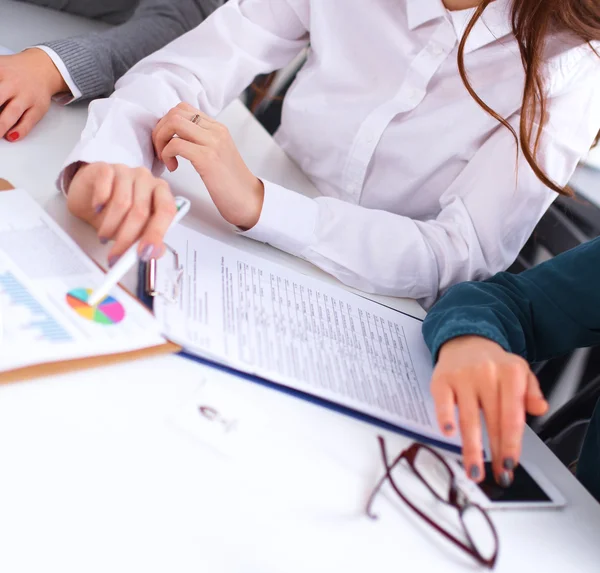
pixel 438 133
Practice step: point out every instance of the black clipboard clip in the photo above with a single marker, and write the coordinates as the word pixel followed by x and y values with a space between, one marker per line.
pixel 173 291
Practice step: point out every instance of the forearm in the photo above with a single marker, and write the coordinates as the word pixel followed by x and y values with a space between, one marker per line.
pixel 96 61
pixel 206 68
pixel 390 254
pixel 371 250
pixel 544 312
pixel 478 309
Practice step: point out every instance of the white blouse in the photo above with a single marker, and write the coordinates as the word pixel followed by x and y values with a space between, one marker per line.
pixel 421 187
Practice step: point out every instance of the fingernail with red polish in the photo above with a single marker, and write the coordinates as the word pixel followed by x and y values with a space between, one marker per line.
pixel 13 136
pixel 103 240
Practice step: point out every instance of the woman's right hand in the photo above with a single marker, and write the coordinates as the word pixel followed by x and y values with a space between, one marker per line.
pixel 475 373
pixel 124 204
pixel 27 83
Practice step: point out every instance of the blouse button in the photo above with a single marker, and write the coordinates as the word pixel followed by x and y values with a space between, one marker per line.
pixel 436 50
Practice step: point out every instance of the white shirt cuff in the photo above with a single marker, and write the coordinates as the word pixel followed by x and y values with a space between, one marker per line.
pixel 64 98
pixel 288 220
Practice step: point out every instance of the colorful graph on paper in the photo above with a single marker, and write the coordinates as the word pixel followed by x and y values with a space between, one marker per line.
pixel 108 311
pixel 25 315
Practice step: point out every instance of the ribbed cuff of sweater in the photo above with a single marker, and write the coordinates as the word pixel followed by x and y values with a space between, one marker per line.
pixel 456 328
pixel 82 66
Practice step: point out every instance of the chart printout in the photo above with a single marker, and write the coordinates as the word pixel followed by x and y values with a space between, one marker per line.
pixel 44 282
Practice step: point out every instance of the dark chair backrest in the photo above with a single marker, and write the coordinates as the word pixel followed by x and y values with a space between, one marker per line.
pixel 565 430
pixel 569 222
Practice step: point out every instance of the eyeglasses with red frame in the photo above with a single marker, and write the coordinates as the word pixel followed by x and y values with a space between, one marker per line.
pixel 439 478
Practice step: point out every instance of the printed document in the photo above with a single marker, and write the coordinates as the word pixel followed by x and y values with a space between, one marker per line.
pixel 44 282
pixel 264 319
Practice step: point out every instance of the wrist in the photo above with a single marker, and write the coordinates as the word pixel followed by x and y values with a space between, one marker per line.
pixel 471 342
pixel 251 213
pixel 54 80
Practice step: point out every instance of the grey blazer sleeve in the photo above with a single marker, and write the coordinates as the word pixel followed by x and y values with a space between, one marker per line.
pixel 97 61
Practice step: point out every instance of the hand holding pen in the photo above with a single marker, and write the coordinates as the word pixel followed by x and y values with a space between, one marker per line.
pixel 125 205
pixel 130 258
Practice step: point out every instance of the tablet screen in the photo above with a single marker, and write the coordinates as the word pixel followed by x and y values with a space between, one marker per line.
pixel 523 489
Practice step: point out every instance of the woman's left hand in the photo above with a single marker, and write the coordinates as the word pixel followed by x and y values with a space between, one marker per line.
pixel 237 193
pixel 479 376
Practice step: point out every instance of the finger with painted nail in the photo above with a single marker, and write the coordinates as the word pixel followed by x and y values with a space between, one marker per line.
pixel 478 376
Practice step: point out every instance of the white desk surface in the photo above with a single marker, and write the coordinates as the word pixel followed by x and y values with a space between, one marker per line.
pixel 95 478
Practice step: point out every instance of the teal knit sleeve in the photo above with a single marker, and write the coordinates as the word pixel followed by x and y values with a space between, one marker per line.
pixel 544 312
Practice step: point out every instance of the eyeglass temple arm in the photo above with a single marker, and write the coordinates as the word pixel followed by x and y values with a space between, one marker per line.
pixel 388 469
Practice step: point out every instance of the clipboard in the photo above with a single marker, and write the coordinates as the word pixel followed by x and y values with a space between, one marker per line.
pixel 53 368
pixel 147 293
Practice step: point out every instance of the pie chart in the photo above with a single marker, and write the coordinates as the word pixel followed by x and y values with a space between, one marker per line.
pixel 109 310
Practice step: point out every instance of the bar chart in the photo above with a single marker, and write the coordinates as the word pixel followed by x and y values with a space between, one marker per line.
pixel 23 315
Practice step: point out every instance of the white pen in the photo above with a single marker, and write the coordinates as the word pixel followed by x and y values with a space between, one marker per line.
pixel 130 258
